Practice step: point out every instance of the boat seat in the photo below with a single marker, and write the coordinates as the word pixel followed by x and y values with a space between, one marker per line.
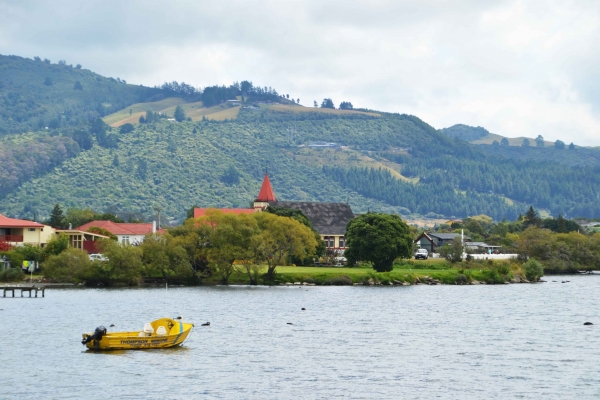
pixel 148 329
pixel 161 331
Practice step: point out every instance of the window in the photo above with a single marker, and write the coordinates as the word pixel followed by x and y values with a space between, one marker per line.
pixel 342 241
pixel 125 240
pixel 331 241
pixel 31 229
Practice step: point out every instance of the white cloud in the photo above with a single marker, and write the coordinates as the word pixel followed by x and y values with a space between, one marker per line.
pixel 518 68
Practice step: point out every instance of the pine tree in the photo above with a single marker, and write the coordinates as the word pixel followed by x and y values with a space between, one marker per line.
pixel 531 218
pixel 57 218
pixel 115 162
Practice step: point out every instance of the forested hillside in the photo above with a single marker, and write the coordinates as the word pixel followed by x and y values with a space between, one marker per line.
pixel 375 161
pixel 35 94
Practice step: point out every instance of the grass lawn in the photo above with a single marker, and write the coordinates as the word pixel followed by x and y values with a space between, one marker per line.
pixel 405 271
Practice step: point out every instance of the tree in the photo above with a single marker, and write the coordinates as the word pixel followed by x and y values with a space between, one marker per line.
pixel 379 238
pixel 179 114
pixel 142 119
pixel 142 169
pixel 504 142
pixel 77 86
pixel 327 103
pixel 48 81
pixel 571 146
pixel 315 104
pixel 526 143
pixel 84 139
pixel 531 218
pixel 299 216
pixel 539 141
pixel 453 251
pixel 124 264
pixel 533 270
pixel 245 87
pixel 78 66
pixel 68 266
pixel 57 218
pixel 559 144
pixel 126 128
pixel 115 161
pixel 345 105
pixel 190 212
pixel 280 238
pixel 231 176
pixel 56 245
pixel 495 143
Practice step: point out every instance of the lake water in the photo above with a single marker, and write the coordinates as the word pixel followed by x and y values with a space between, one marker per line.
pixel 416 342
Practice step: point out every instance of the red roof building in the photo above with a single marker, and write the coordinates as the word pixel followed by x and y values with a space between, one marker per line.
pixel 6 222
pixel 128 233
pixel 200 212
pixel 20 231
pixel 266 193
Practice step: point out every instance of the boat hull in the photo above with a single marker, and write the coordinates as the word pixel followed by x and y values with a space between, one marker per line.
pixel 177 333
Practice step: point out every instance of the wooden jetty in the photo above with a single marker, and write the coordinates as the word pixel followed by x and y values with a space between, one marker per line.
pixel 24 289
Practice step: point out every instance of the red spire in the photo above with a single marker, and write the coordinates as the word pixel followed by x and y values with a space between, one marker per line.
pixel 266 191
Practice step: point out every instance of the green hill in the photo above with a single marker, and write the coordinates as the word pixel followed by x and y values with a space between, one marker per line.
pixel 35 94
pixel 218 155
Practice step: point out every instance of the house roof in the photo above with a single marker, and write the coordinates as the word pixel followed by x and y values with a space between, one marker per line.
pixel 446 236
pixel 199 212
pixel 6 222
pixel 121 228
pixel 266 191
pixel 326 218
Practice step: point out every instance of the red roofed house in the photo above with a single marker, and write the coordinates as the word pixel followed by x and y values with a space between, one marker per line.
pixel 18 232
pixel 126 233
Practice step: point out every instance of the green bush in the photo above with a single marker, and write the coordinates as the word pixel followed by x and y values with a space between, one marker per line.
pixel 11 275
pixel 68 266
pixel 534 270
pixel 341 280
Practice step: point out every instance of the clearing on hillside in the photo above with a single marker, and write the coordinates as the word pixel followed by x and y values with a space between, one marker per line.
pixel 300 109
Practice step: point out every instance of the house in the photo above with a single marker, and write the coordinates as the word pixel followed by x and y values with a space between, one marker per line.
pixel 126 232
pixel 328 219
pixel 17 232
pixel 480 247
pixel 82 240
pixel 432 241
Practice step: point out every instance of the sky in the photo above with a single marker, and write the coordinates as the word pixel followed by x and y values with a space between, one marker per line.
pixel 517 68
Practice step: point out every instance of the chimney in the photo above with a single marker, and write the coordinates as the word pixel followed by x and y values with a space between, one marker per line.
pixel 70 226
pixel 153 226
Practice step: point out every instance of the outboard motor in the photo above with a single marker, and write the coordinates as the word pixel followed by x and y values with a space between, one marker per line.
pixel 97 335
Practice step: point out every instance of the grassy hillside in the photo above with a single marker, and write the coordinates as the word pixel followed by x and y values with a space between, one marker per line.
pixel 37 94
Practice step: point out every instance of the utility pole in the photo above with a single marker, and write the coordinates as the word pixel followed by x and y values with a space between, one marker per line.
pixel 158 209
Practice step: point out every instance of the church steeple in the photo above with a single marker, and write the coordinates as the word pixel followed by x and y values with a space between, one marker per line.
pixel 265 195
pixel 266 191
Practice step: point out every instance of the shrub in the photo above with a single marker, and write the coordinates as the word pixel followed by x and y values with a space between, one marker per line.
pixel 11 275
pixel 68 266
pixel 534 270
pixel 340 280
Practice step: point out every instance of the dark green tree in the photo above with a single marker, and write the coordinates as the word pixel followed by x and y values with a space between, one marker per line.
pixel 179 114
pixel 299 216
pixel 559 144
pixel 504 142
pixel 345 105
pixel 190 212
pixel 77 86
pixel 531 218
pixel 379 238
pixel 115 162
pixel 231 176
pixel 327 103
pixel 126 128
pixel 57 218
pixel 83 139
pixel 571 146
pixel 526 143
pixel 539 141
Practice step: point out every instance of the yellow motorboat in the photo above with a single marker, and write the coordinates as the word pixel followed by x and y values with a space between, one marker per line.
pixel 159 334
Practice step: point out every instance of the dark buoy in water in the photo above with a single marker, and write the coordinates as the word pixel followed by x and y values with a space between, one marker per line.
pixel 588 323
pixel 289 323
pixel 303 309
pixel 111 325
pixel 206 324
